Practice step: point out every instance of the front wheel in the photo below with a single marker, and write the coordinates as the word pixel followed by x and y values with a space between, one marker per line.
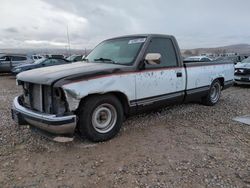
pixel 214 94
pixel 100 117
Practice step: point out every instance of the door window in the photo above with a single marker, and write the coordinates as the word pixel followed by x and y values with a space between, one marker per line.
pixel 60 61
pixel 18 58
pixel 78 58
pixel 204 59
pixel 163 46
pixel 48 62
pixel 57 61
pixel 4 58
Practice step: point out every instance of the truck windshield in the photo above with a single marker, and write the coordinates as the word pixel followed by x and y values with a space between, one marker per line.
pixel 117 51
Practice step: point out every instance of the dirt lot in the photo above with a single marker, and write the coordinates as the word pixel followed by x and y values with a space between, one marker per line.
pixel 181 146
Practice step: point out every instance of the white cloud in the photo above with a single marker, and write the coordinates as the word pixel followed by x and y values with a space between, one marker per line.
pixel 37 20
pixel 195 23
pixel 44 42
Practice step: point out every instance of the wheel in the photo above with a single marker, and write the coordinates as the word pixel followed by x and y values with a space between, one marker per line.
pixel 214 94
pixel 100 117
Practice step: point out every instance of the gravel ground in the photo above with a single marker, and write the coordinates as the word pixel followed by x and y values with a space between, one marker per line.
pixel 188 145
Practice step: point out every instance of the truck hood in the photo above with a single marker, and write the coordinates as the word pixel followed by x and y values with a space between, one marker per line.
pixel 50 75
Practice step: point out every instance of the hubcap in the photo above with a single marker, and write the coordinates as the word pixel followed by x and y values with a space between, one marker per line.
pixel 215 92
pixel 104 118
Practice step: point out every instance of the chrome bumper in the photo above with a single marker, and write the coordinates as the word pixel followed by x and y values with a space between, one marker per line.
pixel 47 122
pixel 242 83
pixel 242 79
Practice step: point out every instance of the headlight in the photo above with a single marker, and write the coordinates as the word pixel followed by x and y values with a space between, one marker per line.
pixel 241 70
pixel 59 101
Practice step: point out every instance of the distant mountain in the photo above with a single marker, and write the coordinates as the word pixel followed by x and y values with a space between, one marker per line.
pixel 236 48
pixel 239 48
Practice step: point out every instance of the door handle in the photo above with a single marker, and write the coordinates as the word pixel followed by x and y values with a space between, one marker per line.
pixel 179 74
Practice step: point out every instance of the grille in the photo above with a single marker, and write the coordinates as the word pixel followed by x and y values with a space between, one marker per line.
pixel 33 96
pixel 36 98
pixel 242 71
pixel 39 97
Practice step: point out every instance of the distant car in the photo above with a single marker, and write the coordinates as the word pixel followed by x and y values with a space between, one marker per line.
pixel 75 58
pixel 9 61
pixel 234 59
pixel 55 56
pixel 197 59
pixel 242 72
pixel 36 57
pixel 44 62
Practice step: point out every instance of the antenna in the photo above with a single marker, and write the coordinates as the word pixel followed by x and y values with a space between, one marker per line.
pixel 68 39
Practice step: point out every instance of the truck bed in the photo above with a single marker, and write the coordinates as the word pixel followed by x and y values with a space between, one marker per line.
pixel 200 74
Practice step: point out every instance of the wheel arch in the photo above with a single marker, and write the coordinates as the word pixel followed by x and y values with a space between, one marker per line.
pixel 222 80
pixel 118 94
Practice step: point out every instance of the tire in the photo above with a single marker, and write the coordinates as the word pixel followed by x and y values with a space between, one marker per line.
pixel 213 95
pixel 100 117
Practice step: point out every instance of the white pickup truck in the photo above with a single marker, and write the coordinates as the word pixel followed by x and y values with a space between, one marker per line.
pixel 120 77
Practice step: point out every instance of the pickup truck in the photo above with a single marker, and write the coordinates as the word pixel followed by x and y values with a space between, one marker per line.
pixel 120 77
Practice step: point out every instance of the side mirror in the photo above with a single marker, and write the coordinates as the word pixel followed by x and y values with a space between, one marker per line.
pixel 153 58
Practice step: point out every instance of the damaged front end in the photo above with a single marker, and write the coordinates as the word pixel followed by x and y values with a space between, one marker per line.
pixel 44 107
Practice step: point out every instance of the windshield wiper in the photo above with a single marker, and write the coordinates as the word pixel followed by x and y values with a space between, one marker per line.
pixel 104 59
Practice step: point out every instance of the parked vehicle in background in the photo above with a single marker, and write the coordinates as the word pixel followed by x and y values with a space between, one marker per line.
pixel 197 59
pixel 36 57
pixel 121 76
pixel 75 58
pixel 9 61
pixel 56 56
pixel 44 62
pixel 233 59
pixel 242 72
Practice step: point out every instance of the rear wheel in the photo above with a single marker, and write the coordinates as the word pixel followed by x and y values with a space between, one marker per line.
pixel 100 117
pixel 214 94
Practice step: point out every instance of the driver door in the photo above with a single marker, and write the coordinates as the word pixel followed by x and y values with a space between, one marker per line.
pixel 164 82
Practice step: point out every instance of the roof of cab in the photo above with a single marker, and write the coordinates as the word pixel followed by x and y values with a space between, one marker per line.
pixel 143 35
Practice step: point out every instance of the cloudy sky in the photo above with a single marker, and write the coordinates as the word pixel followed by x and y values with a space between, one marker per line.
pixel 195 23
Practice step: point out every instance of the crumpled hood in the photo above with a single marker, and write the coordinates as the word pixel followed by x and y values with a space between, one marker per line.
pixel 49 75
pixel 243 65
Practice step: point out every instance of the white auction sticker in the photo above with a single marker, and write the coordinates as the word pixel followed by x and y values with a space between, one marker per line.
pixel 139 40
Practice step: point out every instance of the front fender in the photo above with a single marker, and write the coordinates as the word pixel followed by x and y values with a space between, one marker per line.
pixel 76 91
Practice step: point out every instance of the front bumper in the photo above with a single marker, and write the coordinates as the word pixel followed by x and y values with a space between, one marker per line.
pixel 242 80
pixel 47 122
